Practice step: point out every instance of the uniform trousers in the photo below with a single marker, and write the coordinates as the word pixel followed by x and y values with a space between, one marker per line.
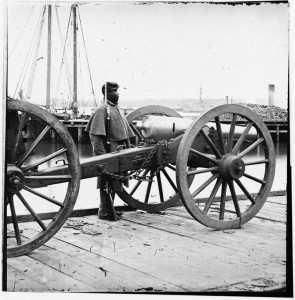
pixel 104 182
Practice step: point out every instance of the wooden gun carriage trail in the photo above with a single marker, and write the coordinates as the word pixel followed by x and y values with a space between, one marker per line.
pixel 190 156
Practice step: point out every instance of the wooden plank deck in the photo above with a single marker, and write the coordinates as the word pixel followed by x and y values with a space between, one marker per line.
pixel 159 253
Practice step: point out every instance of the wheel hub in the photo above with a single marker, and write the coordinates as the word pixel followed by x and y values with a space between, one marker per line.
pixel 15 179
pixel 231 167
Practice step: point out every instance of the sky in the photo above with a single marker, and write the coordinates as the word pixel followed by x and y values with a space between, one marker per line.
pixel 158 50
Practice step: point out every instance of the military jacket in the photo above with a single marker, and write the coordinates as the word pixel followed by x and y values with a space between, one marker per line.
pixel 119 127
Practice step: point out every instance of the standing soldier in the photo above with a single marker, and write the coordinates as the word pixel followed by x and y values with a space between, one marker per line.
pixel 108 129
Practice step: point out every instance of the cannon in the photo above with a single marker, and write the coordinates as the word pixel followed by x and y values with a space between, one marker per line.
pixel 208 164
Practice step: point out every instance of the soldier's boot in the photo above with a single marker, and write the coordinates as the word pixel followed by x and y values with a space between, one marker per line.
pixel 106 207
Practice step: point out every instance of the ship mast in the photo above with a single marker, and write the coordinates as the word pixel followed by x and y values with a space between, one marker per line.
pixel 74 8
pixel 49 42
pixel 48 100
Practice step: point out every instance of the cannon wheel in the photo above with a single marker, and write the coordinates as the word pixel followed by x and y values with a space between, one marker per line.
pixel 233 167
pixel 146 203
pixel 25 164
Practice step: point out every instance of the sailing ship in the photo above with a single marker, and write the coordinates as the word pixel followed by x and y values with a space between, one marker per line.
pixel 64 102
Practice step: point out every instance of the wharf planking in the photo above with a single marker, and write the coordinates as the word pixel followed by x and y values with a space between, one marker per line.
pixel 167 252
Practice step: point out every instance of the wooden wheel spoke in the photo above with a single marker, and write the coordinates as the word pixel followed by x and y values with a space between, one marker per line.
pixel 32 146
pixel 50 177
pixel 251 147
pixel 203 155
pixel 19 134
pixel 222 200
pixel 135 130
pixel 234 197
pixel 204 185
pixel 45 159
pixel 242 138
pixel 131 172
pixel 256 162
pixel 254 178
pixel 231 133
pixel 148 191
pixel 170 180
pixel 14 220
pixel 213 169
pixel 138 182
pixel 23 176
pixel 242 187
pixel 218 172
pixel 220 135
pixel 160 187
pixel 43 196
pixel 209 142
pixel 29 208
pixel 212 196
pixel 171 167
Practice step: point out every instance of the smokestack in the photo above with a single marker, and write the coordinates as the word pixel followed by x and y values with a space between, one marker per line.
pixel 271 94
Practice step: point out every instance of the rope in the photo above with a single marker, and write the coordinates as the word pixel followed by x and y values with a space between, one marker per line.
pixel 87 57
pixel 11 20
pixel 63 55
pixel 25 66
pixel 34 66
pixel 23 28
pixel 80 68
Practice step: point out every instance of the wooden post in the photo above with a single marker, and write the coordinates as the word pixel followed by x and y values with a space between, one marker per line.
pixel 74 8
pixel 278 133
pixel 52 134
pixel 80 133
pixel 201 99
pixel 271 93
pixel 48 60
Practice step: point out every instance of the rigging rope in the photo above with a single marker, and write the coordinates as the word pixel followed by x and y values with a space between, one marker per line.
pixel 87 57
pixel 65 55
pixel 23 28
pixel 80 68
pixel 28 57
pixel 62 60
pixel 13 19
pixel 35 59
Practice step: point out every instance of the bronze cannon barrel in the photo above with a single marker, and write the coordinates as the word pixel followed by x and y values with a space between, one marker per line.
pixel 162 127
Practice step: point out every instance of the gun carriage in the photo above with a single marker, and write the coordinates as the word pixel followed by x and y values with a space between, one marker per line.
pixel 192 156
